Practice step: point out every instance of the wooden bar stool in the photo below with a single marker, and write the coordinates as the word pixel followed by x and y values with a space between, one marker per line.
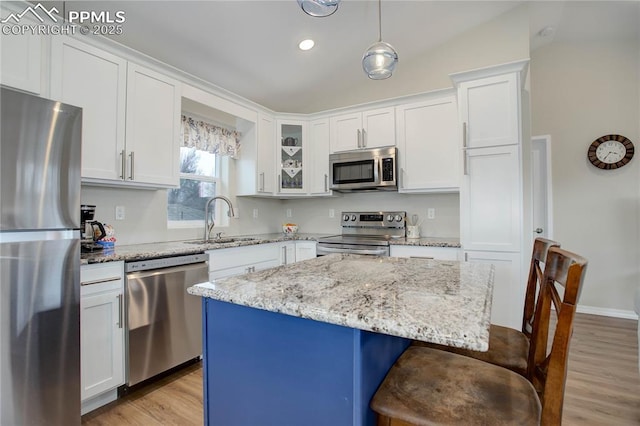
pixel 427 386
pixel 508 347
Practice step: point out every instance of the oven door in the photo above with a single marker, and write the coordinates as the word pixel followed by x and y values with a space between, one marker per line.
pixel 324 249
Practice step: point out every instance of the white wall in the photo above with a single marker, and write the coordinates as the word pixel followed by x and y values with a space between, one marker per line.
pixel 146 215
pixel 581 91
pixel 501 40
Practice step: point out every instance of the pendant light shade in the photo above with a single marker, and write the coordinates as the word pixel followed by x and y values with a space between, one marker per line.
pixel 380 59
pixel 319 8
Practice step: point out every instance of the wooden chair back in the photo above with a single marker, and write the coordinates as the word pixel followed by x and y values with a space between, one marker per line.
pixel 540 248
pixel 548 371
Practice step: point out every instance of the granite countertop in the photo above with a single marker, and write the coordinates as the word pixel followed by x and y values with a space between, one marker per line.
pixel 427 242
pixel 444 302
pixel 133 252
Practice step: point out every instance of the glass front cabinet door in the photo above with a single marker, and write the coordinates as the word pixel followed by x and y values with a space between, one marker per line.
pixel 291 156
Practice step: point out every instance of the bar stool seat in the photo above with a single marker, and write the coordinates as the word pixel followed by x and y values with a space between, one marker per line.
pixel 508 348
pixel 427 386
pixel 432 387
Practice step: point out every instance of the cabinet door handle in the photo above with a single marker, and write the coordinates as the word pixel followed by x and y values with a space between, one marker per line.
pixel 464 163
pixel 284 255
pixel 402 177
pixel 326 183
pixel 466 257
pixel 359 146
pixel 123 164
pixel 262 181
pixel 131 172
pixel 119 310
pixel 464 135
pixel 279 183
pixel 364 139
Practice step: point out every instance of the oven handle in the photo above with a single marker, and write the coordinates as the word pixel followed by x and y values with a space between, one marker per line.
pixel 325 250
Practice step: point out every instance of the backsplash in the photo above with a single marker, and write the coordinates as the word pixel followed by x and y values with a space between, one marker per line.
pixel 312 214
pixel 146 213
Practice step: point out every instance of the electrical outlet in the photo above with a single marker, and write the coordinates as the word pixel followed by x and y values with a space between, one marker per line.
pixel 120 213
pixel 431 213
pixel 332 213
pixel 255 213
pixel 289 214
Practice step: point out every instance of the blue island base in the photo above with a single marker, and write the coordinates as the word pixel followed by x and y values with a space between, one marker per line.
pixel 263 368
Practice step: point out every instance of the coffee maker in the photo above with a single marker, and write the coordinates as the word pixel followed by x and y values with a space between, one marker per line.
pixel 91 230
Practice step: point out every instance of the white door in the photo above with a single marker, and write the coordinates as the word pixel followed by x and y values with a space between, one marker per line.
pixel 541 186
pixel 266 163
pixel 345 132
pixel 379 128
pixel 490 200
pixel 95 80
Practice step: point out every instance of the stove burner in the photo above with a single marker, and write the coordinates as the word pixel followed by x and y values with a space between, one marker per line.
pixel 365 233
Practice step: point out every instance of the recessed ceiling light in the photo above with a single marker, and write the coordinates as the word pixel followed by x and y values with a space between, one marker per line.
pixel 306 44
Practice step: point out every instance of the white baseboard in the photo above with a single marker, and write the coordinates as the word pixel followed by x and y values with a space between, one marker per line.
pixel 606 312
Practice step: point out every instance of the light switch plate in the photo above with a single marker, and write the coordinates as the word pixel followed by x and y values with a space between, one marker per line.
pixel 431 213
pixel 255 213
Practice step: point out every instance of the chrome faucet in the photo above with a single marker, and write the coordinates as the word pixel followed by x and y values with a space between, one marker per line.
pixel 209 227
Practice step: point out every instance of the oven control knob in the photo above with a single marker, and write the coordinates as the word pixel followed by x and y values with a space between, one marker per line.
pixel 353 217
pixel 398 218
pixel 389 218
pixel 345 217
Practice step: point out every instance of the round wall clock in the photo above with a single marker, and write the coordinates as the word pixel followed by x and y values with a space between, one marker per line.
pixel 610 152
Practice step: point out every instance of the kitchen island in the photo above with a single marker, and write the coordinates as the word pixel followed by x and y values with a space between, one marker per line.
pixel 309 343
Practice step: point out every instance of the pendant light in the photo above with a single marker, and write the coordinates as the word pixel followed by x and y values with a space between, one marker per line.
pixel 319 8
pixel 380 59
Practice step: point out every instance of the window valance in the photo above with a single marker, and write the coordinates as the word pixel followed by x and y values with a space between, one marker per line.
pixel 208 137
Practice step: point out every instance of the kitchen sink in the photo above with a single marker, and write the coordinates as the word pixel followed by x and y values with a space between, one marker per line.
pixel 221 240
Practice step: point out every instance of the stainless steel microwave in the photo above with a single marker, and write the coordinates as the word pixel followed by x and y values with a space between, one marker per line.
pixel 362 170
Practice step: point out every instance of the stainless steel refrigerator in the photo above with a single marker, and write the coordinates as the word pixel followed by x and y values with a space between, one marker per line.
pixel 39 261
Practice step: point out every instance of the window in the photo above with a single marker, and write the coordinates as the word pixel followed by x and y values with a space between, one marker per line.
pixel 204 151
pixel 199 179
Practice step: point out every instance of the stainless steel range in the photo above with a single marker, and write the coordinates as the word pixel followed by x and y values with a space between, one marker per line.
pixel 365 233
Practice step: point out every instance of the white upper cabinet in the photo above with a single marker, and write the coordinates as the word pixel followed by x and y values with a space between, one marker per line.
pixel 490 111
pixel 95 80
pixel 131 115
pixel 429 145
pixel 21 56
pixel 369 129
pixel 292 156
pixel 319 157
pixel 152 127
pixel 265 160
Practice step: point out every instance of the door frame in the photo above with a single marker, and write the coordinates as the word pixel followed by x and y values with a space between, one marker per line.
pixel 545 140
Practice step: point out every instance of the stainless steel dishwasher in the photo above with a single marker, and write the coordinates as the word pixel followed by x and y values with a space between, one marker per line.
pixel 164 322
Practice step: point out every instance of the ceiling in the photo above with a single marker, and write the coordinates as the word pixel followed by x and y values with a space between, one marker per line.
pixel 250 47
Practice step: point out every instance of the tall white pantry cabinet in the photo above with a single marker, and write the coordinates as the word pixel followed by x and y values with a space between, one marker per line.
pixel 491 194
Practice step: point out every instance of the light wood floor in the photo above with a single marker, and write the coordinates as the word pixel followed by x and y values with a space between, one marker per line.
pixel 603 384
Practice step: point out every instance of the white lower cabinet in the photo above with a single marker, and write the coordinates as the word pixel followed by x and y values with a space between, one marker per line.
pixel 229 262
pixel 426 252
pixel 101 333
pixel 508 287
pixel 287 253
pixel 305 250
